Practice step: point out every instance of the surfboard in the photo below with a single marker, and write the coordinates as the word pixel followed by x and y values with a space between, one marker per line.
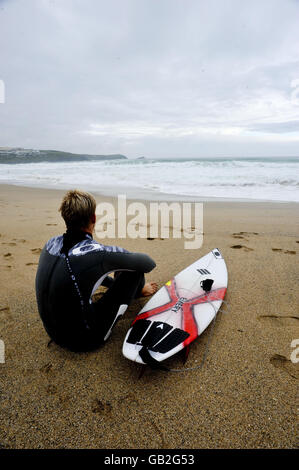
pixel 179 312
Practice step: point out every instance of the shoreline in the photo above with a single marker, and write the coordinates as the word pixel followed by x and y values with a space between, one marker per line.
pixel 148 195
pixel 151 196
pixel 244 396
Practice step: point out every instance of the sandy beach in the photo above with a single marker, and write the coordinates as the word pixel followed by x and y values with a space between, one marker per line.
pixel 244 395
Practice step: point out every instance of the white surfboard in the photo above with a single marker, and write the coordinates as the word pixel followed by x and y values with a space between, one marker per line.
pixel 179 312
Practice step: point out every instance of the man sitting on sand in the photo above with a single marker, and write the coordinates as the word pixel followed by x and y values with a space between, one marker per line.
pixel 71 268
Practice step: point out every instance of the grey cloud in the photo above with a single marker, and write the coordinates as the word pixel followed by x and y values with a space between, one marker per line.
pixel 69 65
pixel 277 127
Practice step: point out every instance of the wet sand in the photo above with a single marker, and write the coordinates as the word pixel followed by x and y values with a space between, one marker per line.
pixel 244 395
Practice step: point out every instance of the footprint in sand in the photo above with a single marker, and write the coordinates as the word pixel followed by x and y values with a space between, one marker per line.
pixel 9 244
pixel 46 368
pixel 51 389
pixel 245 233
pixel 188 229
pixel 19 240
pixel 4 310
pixel 8 266
pixel 31 264
pixel 102 407
pixel 239 236
pixel 245 248
pixel 278 320
pixel 51 224
pixel 7 255
pixel 289 252
pixel 150 238
pixel 285 364
pixel 5 314
pixel 36 251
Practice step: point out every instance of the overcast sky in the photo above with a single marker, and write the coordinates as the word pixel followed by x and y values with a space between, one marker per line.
pixel 156 78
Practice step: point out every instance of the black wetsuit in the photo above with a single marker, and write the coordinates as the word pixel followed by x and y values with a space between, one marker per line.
pixel 71 267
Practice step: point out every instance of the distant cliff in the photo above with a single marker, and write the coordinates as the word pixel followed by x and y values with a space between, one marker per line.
pixel 20 155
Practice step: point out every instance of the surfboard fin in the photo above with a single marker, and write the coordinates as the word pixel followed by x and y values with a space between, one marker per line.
pixel 148 359
pixel 143 367
pixel 207 284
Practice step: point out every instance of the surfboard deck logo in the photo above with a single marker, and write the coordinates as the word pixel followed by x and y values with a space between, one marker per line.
pixel 179 312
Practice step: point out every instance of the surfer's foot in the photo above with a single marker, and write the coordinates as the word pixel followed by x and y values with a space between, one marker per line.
pixel 149 288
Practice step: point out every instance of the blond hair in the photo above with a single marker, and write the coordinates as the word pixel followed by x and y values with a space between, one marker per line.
pixel 77 208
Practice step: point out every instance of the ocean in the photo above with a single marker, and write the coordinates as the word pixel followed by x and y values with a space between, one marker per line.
pixel 271 179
